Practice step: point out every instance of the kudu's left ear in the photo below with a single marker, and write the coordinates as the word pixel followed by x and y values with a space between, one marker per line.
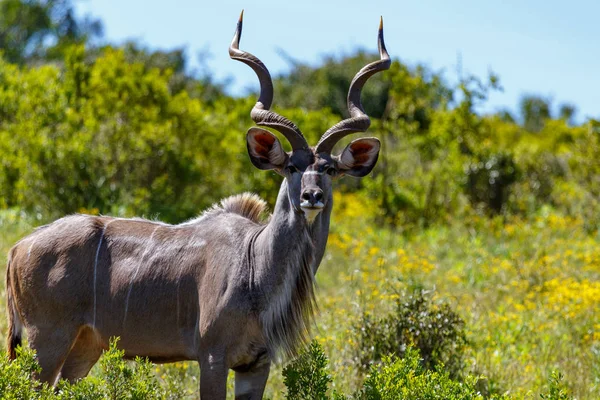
pixel 265 150
pixel 359 157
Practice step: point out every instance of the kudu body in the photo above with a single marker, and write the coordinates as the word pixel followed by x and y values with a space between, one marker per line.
pixel 225 289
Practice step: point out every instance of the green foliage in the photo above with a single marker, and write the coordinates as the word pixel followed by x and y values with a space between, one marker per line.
pixel 16 377
pixel 406 378
pixel 394 377
pixel 417 321
pixel 34 30
pixel 121 381
pixel 117 380
pixel 535 111
pixel 307 377
pixel 326 86
pixel 557 389
pixel 489 180
pixel 127 132
pixel 175 62
pixel 108 136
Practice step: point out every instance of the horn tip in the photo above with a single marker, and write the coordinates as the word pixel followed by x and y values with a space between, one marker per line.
pixel 235 42
pixel 380 43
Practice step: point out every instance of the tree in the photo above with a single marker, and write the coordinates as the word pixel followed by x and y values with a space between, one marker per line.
pixel 175 61
pixel 34 30
pixel 567 112
pixel 327 86
pixel 535 110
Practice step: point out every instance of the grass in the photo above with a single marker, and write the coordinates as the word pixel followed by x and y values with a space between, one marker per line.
pixel 528 291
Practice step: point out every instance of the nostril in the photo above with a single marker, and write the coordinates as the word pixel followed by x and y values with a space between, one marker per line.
pixel 318 195
pixel 306 196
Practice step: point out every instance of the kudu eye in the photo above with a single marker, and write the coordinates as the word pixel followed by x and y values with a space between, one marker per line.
pixel 329 170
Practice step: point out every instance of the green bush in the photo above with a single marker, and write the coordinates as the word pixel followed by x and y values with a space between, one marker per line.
pixel 394 378
pixel 417 321
pixel 16 377
pixel 117 380
pixel 557 389
pixel 406 378
pixel 489 180
pixel 307 377
pixel 104 136
pixel 124 381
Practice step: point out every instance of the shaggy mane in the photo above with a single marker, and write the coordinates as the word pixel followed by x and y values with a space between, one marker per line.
pixel 247 205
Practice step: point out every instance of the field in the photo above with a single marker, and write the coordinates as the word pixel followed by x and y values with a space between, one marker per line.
pixel 527 291
pixel 465 265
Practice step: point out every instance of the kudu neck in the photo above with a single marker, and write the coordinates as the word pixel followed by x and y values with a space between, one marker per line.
pixel 288 231
pixel 285 257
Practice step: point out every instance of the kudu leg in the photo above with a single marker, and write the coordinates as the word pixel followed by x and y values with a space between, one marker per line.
pixel 82 357
pixel 250 385
pixel 213 378
pixel 52 345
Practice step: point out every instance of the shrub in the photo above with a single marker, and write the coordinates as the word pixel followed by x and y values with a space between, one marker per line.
pixel 406 378
pixel 117 380
pixel 434 329
pixel 489 180
pixel 123 381
pixel 557 390
pixel 16 377
pixel 307 377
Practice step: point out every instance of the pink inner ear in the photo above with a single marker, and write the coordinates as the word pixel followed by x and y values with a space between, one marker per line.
pixel 263 143
pixel 360 152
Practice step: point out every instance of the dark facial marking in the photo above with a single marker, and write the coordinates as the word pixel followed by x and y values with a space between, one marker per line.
pixel 302 159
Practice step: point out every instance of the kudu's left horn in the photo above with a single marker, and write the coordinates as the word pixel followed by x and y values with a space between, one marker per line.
pixel 260 113
pixel 359 121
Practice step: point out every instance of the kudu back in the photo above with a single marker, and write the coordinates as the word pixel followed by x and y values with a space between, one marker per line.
pixel 228 289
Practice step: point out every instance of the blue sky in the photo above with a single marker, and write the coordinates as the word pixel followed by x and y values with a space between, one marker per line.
pixel 550 48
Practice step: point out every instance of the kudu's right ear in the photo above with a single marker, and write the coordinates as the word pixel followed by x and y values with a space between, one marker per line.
pixel 265 150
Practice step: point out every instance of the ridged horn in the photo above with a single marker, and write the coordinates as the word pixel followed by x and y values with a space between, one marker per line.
pixel 260 113
pixel 359 121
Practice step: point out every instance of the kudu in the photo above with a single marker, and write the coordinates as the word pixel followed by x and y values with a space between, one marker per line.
pixel 224 289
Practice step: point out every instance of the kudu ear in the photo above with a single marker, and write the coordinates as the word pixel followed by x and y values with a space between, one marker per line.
pixel 265 150
pixel 359 157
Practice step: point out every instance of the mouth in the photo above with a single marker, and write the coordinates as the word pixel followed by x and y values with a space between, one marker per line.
pixel 311 210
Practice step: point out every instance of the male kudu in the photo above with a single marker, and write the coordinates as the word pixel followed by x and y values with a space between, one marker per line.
pixel 224 289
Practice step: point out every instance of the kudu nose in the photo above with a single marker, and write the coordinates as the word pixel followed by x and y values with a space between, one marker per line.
pixel 318 194
pixel 313 196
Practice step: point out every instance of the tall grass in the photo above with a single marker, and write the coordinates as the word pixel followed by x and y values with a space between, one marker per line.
pixel 526 289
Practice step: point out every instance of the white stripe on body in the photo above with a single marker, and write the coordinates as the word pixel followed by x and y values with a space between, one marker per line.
pixel 96 270
pixel 136 272
pixel 30 247
pixel 192 243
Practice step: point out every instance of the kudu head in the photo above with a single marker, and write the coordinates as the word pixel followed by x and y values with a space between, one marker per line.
pixel 310 171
